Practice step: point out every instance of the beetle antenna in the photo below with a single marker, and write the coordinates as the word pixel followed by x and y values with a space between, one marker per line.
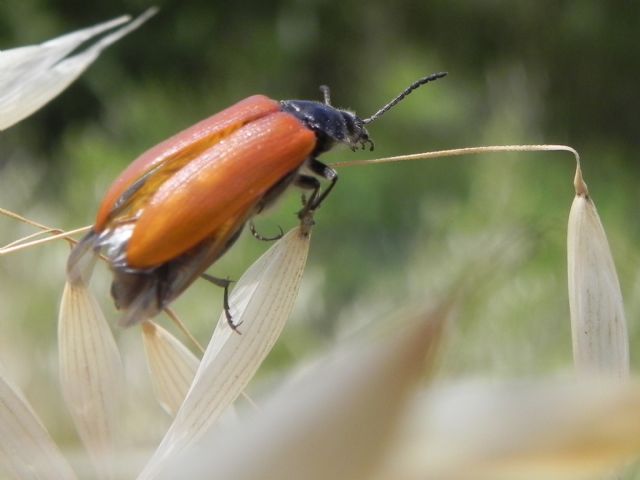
pixel 326 94
pixel 407 91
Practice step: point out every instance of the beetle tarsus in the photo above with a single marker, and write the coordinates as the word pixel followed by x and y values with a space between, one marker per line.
pixel 234 326
pixel 262 238
pixel 224 283
pixel 306 221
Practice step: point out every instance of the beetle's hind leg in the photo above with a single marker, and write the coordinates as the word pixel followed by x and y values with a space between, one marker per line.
pixel 224 283
pixel 256 235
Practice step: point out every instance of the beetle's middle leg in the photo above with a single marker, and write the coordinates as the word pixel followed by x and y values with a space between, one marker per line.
pixel 258 236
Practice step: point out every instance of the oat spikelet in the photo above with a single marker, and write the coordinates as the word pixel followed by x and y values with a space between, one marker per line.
pixel 525 430
pixel 261 303
pixel 335 421
pixel 26 449
pixel 33 75
pixel 172 366
pixel 91 375
pixel 598 325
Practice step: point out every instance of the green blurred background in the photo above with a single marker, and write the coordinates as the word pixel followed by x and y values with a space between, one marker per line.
pixel 389 236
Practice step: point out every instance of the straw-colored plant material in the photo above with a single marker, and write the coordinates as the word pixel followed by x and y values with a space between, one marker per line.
pixel 261 303
pixel 599 329
pixel 527 430
pixel 32 76
pixel 26 449
pixel 91 374
pixel 28 240
pixel 172 366
pixel 336 421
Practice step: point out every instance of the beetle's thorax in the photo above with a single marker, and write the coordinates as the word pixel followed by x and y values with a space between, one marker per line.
pixel 331 125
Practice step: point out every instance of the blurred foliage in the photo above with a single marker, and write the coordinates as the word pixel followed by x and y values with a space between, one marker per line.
pixel 519 72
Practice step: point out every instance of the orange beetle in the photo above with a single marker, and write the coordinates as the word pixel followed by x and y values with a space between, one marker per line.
pixel 180 205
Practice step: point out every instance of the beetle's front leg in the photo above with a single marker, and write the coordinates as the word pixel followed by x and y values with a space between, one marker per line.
pixel 326 172
pixel 307 182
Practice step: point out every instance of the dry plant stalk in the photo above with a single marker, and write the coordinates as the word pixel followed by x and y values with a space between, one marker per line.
pixel 598 324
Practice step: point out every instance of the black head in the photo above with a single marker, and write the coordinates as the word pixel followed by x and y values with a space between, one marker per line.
pixel 332 125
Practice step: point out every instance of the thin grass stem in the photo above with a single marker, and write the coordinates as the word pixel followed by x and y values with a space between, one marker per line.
pixel 456 152
pixel 183 328
pixel 66 235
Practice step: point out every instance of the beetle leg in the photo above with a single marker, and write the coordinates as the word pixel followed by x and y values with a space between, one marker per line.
pixel 326 172
pixel 308 182
pixel 254 232
pixel 311 183
pixel 224 283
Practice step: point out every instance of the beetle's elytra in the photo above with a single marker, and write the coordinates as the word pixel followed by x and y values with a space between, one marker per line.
pixel 180 205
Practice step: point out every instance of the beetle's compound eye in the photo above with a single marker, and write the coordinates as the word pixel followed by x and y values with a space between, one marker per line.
pixel 357 134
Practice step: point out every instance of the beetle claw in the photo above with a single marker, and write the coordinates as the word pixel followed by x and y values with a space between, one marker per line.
pixel 234 326
pixel 227 309
pixel 252 228
pixel 224 283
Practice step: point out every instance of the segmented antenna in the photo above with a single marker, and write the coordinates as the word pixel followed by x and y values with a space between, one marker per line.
pixel 407 91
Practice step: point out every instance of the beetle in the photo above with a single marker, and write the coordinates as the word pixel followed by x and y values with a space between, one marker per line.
pixel 182 204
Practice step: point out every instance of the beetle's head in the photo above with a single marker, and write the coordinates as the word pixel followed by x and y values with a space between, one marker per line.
pixel 332 125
